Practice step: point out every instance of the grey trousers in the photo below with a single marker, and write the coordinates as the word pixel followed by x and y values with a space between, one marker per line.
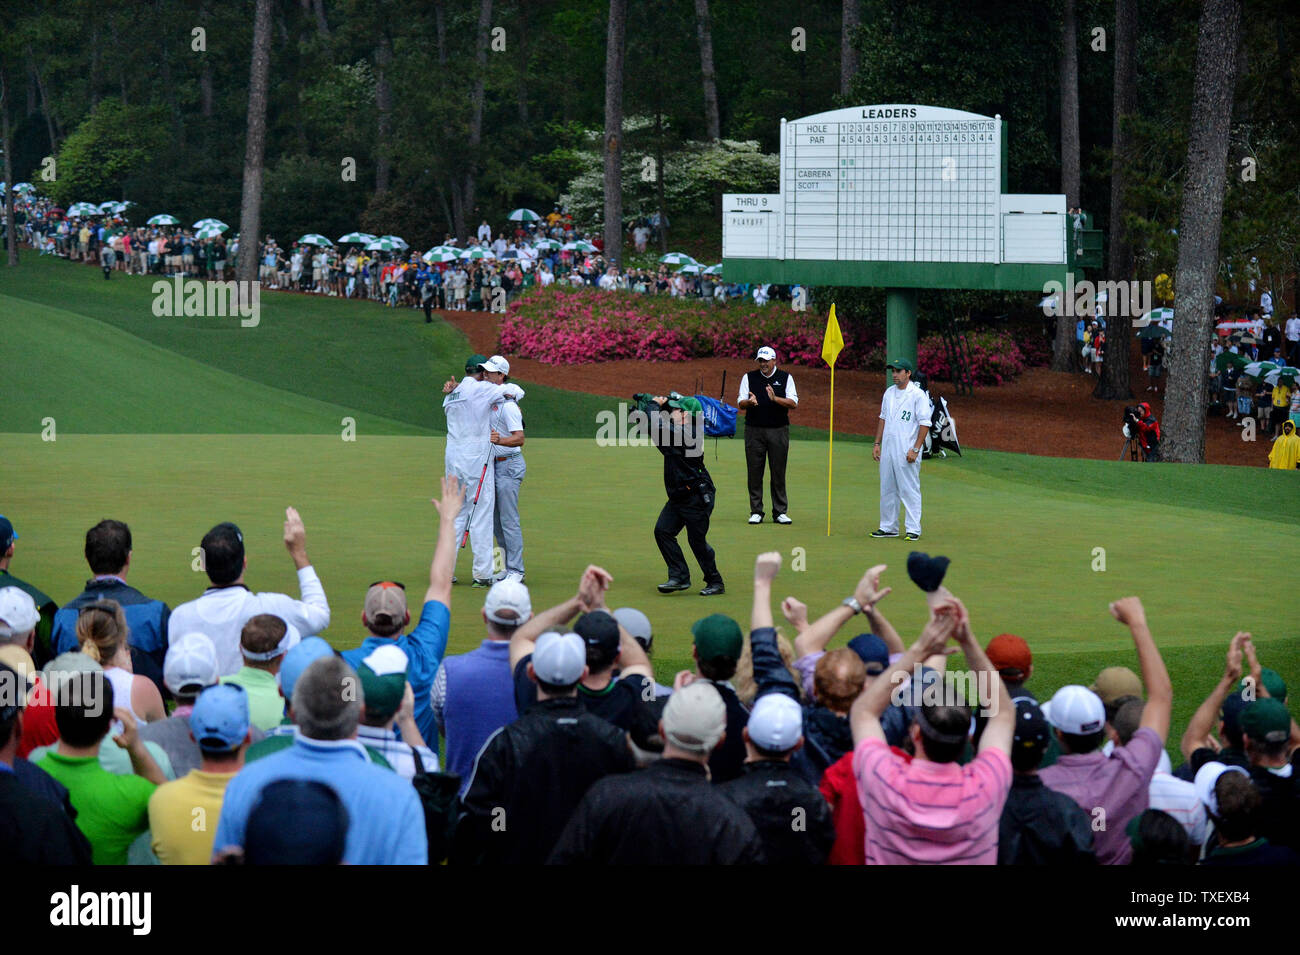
pixel 773 446
pixel 509 532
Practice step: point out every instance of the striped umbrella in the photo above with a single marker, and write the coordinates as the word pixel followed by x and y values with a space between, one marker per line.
pixel 398 241
pixel 83 209
pixel 691 269
pixel 1258 369
pixel 314 238
pixel 358 237
pixel 477 253
pixel 1154 317
pixel 211 223
pixel 1284 373
pixel 24 188
pixel 677 258
pixel 208 232
pixel 162 219
pixel 551 244
pixel 382 244
pixel 524 215
pixel 440 254
pixel 714 269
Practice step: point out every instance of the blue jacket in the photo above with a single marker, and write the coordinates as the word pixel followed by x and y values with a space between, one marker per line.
pixel 385 818
pixel 480 699
pixel 424 647
pixel 145 617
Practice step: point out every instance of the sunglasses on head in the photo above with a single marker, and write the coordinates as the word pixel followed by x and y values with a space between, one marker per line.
pixel 388 583
pixel 98 605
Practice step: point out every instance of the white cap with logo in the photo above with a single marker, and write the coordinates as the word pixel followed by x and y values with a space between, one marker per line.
pixel 1076 710
pixel 190 664
pixel 508 603
pixel 767 353
pixel 496 363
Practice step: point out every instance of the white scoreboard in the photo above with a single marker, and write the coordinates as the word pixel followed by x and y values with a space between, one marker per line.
pixel 894 183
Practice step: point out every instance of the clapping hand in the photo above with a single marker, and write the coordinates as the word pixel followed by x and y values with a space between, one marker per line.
pixel 591 589
pixel 868 592
pixel 795 612
pixel 941 628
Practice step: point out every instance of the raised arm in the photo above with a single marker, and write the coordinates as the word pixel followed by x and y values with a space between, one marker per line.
pixel 1155 677
pixel 1199 728
pixel 770 672
pixel 765 570
pixel 819 634
pixel 864 717
pixel 311 613
pixel 553 618
pixel 444 552
pixel 632 659
pixel 995 701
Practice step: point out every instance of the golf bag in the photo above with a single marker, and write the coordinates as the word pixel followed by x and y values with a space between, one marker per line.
pixel 719 417
pixel 942 436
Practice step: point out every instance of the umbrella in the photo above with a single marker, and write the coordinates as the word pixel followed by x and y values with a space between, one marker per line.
pixel 691 269
pixel 397 241
pixel 524 215
pixel 162 219
pixel 211 223
pixel 677 258
pixel 1281 374
pixel 83 209
pixel 108 207
pixel 361 237
pixel 209 232
pixel 1226 358
pixel 551 244
pixel 26 188
pixel 1155 316
pixel 510 254
pixel 313 238
pixel 714 269
pixel 477 254
pixel 1155 331
pixel 1258 369
pixel 1247 340
pixel 439 254
pixel 382 244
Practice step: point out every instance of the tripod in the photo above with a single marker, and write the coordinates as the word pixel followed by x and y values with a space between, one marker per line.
pixel 1133 448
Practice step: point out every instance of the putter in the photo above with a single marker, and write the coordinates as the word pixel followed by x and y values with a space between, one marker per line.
pixel 469 520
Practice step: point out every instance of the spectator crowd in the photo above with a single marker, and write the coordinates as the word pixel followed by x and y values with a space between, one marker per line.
pixel 227 730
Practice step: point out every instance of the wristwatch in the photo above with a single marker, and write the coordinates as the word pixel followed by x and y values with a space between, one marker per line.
pixel 852 604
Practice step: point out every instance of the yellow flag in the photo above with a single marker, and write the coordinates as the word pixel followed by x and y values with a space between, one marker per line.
pixel 833 343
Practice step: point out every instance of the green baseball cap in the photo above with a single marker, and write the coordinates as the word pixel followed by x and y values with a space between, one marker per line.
pixel 688 404
pixel 717 635
pixel 1266 720
pixel 383 680
pixel 902 364
pixel 1272 681
pixel 473 361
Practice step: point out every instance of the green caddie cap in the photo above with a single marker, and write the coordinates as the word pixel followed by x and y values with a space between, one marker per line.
pixel 473 361
pixel 902 364
pixel 1272 681
pixel 1266 720
pixel 717 635
pixel 688 404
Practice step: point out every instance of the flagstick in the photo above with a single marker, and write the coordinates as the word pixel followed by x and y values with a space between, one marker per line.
pixel 830 456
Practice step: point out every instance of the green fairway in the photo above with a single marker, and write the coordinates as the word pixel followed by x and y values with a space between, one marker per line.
pixel 172 427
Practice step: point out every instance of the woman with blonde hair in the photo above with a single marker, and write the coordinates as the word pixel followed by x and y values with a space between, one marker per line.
pixel 102 635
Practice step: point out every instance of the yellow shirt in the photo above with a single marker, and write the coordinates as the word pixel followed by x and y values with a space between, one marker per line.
pixel 1281 395
pixel 183 817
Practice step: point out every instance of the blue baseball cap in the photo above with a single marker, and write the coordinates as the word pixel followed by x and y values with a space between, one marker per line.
pixel 219 720
pixel 873 651
pixel 299 659
pixel 7 535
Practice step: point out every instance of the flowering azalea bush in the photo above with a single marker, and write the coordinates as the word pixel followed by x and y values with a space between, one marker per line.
pixel 561 325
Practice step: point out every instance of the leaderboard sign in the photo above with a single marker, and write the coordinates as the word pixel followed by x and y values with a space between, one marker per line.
pixel 899 185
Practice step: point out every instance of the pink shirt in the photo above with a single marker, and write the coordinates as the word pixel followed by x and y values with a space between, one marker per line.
pixel 1118 784
pixel 919 812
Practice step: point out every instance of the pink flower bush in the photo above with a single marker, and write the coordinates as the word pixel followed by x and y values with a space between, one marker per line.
pixel 560 325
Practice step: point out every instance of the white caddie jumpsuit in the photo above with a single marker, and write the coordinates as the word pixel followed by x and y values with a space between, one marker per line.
pixel 468 449
pixel 903 412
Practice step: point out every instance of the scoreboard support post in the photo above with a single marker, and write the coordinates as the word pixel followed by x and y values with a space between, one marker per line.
pixel 900 325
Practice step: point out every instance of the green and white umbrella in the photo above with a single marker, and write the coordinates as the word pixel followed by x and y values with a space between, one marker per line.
pixel 358 237
pixel 1155 316
pixel 714 269
pixel 691 269
pixel 314 238
pixel 1281 374
pixel 579 245
pixel 524 215
pixel 398 241
pixel 677 258
pixel 83 209
pixel 211 223
pixel 476 253
pixel 382 244
pixel 440 254
pixel 552 244
pixel 208 232
pixel 25 188
pixel 162 219
pixel 1155 331
pixel 1258 369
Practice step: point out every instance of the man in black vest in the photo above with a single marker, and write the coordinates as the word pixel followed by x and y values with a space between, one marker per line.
pixel 767 395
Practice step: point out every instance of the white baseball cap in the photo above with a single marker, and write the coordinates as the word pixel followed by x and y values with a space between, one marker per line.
pixel 18 613
pixel 636 624
pixel 496 363
pixel 775 722
pixel 190 664
pixel 1207 777
pixel 508 595
pixel 559 658
pixel 695 717
pixel 1076 710
pixel 767 353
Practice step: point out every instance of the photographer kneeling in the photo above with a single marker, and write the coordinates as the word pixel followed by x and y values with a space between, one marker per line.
pixel 1141 424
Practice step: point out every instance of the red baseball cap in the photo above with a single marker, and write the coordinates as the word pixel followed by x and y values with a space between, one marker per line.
pixel 1009 654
